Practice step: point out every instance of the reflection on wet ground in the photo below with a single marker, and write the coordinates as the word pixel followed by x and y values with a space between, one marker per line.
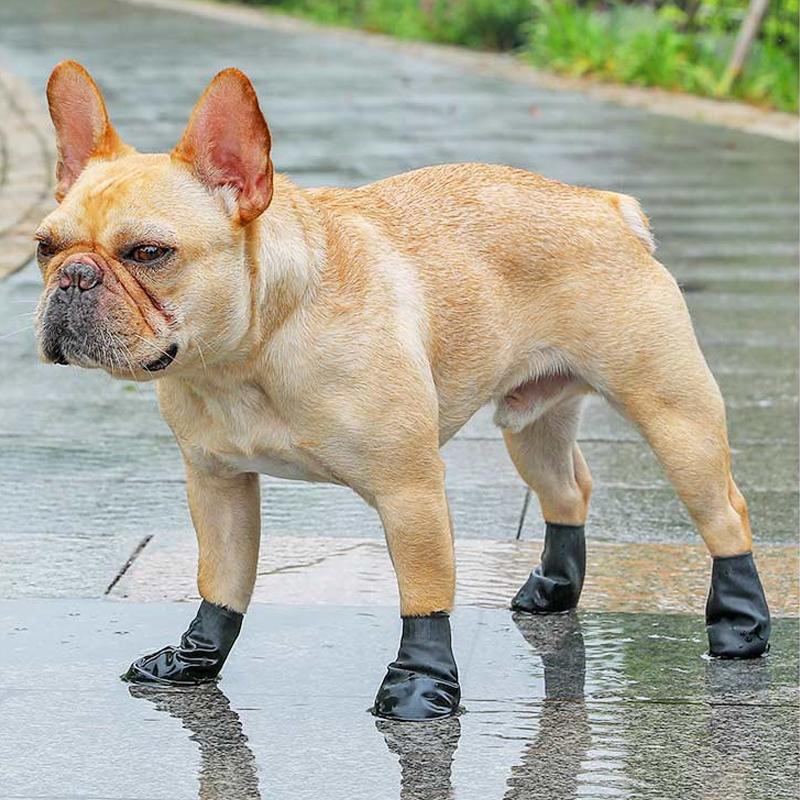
pixel 227 764
pixel 426 755
pixel 587 705
pixel 554 771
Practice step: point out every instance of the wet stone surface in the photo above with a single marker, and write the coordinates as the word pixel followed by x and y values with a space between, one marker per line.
pixel 603 705
pixel 560 707
pixel 723 205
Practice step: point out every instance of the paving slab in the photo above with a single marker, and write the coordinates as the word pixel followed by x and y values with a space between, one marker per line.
pixel 591 705
pixel 27 162
pixel 724 207
pixel 633 577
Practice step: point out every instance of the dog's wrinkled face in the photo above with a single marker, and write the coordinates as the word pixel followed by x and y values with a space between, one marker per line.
pixel 144 260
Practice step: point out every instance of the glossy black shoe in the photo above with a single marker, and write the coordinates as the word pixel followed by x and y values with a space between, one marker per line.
pixel 737 617
pixel 200 655
pixel 422 683
pixel 555 585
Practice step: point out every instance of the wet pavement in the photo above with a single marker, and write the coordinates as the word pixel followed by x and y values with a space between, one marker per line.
pixel 613 704
pixel 598 705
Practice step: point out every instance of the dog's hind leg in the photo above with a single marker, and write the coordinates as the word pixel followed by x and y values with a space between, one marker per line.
pixel 226 515
pixel 663 384
pixel 550 462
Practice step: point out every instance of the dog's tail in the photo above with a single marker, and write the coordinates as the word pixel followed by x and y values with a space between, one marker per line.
pixel 634 218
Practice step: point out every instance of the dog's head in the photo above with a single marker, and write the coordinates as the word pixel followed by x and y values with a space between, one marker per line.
pixel 144 261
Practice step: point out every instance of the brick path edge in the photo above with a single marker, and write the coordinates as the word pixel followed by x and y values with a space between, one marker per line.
pixel 27 163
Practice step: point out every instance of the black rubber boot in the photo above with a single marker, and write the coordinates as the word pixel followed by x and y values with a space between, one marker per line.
pixel 200 655
pixel 555 585
pixel 737 616
pixel 422 683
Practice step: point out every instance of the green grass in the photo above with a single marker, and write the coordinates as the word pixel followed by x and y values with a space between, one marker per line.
pixel 633 43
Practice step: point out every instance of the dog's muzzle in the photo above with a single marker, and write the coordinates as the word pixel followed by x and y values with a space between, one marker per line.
pixel 69 321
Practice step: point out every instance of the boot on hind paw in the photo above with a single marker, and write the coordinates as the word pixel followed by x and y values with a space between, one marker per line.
pixel 555 585
pixel 737 616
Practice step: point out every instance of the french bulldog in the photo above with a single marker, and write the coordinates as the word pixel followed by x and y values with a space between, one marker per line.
pixel 344 335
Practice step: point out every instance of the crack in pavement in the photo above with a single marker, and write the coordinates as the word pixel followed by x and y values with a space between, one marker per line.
pixel 137 551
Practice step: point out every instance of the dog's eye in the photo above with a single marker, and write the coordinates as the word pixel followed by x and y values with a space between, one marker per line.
pixel 45 249
pixel 147 253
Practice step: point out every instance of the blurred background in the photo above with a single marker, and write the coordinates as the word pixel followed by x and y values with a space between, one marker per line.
pixel 686 45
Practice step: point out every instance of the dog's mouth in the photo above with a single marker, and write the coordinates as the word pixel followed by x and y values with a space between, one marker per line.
pixel 163 362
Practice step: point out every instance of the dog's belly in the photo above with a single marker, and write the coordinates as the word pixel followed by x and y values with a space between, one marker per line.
pixel 277 467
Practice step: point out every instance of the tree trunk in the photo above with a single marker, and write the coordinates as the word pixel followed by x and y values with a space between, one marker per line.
pixel 744 41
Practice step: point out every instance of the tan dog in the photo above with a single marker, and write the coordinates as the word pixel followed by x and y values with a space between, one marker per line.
pixel 345 335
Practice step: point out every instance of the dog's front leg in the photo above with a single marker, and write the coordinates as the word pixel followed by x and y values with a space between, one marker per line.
pixel 422 683
pixel 226 515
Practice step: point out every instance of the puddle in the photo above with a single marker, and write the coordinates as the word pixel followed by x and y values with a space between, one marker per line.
pixel 572 706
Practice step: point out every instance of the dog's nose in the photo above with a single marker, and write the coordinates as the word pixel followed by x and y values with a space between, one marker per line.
pixel 82 274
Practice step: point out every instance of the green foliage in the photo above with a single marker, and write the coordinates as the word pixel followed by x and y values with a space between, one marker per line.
pixel 483 24
pixel 668 47
pixel 678 45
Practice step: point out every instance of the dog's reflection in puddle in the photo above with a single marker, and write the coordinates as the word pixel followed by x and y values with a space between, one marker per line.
pixel 227 764
pixel 551 762
pixel 426 752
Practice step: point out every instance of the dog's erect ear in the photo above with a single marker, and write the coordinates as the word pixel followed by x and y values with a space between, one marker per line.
pixel 227 143
pixel 83 130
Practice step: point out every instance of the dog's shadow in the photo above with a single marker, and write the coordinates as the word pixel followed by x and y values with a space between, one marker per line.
pixel 227 764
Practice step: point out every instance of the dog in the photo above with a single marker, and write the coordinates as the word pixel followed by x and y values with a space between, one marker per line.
pixel 344 335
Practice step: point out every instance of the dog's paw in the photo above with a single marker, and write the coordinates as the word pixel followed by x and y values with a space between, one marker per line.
pixel 172 666
pixel 541 594
pixel 414 696
pixel 737 615
pixel 200 655
pixel 422 683
pixel 555 585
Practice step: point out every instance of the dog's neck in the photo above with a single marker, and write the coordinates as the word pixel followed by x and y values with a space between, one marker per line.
pixel 284 253
pixel 284 250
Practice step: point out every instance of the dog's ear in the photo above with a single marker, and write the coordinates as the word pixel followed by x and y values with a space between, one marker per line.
pixel 83 129
pixel 227 143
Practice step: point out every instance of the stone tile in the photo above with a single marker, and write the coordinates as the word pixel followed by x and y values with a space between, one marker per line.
pixel 354 571
pixel 64 563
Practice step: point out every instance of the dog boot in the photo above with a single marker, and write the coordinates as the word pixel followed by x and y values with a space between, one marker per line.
pixel 737 616
pixel 555 585
pixel 200 655
pixel 422 683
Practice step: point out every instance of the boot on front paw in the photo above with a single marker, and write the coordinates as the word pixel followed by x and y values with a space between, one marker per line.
pixel 422 683
pixel 555 585
pixel 200 655
pixel 737 616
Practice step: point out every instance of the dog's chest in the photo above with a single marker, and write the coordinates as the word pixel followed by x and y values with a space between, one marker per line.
pixel 271 463
pixel 243 432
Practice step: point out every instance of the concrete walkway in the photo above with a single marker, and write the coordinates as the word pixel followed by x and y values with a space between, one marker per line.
pixel 93 491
